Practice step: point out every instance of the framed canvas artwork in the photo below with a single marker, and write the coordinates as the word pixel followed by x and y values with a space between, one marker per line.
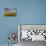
pixel 9 12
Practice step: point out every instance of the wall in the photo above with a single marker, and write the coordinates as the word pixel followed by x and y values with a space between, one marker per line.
pixel 7 24
pixel 28 12
pixel 31 11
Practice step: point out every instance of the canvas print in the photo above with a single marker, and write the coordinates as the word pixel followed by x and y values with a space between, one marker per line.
pixel 9 12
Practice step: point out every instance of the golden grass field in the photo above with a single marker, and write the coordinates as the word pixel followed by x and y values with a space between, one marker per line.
pixel 9 13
